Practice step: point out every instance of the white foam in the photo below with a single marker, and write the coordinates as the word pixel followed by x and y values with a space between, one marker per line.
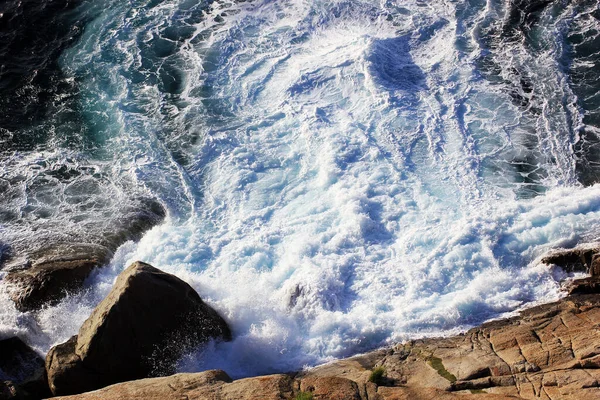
pixel 355 182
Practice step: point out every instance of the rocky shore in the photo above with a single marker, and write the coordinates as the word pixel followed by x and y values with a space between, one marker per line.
pixel 548 352
pixel 129 345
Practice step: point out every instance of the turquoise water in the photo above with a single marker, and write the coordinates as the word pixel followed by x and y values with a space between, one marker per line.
pixel 338 175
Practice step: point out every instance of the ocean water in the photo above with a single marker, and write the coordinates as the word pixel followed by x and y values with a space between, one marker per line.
pixel 337 175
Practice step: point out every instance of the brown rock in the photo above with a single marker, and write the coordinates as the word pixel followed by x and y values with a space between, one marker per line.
pixel 59 271
pixel 144 325
pixel 405 393
pixel 55 267
pixel 270 387
pixel 584 286
pixel 357 368
pixel 583 258
pixel 67 373
pixel 204 385
pixel 208 385
pixel 549 348
pixel 216 385
pixel 331 388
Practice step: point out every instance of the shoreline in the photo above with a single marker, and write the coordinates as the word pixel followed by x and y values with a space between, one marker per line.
pixel 499 359
pixel 544 348
pixel 548 351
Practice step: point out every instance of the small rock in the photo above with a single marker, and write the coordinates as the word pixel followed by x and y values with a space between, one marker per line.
pixel 579 259
pixel 584 286
pixel 8 391
pixel 134 222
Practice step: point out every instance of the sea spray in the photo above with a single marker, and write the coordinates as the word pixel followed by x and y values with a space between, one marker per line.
pixel 338 175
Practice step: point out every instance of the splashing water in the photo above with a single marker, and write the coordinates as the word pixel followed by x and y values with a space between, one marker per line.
pixel 339 175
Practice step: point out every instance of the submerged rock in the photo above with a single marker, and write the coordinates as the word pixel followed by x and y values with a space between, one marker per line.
pixel 18 361
pixel 142 328
pixel 56 273
pixel 46 275
pixel 8 391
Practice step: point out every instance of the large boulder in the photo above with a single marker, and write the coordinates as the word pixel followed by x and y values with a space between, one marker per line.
pixel 141 329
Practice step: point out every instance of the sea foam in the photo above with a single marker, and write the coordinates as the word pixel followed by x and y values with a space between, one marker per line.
pixel 339 175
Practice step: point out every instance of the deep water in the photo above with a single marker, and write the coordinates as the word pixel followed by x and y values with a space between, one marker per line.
pixel 337 175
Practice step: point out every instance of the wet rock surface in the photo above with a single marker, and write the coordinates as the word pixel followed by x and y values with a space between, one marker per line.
pixel 17 360
pixel 61 270
pixel 45 275
pixel 550 351
pixel 584 258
